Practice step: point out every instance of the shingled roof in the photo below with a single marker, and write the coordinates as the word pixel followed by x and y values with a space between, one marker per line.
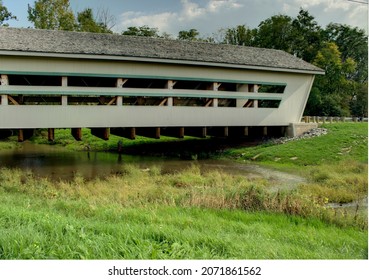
pixel 44 42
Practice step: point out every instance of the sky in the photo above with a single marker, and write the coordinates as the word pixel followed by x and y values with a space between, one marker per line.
pixel 207 16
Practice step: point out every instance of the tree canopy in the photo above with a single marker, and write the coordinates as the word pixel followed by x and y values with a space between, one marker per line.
pixel 5 15
pixel 58 15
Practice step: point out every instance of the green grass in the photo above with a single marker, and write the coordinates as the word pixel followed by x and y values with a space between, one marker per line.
pixel 344 141
pixel 188 215
pixel 144 214
pixel 76 230
pixel 335 164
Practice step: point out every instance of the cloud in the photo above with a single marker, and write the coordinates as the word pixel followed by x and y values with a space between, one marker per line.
pixel 208 16
pixel 172 22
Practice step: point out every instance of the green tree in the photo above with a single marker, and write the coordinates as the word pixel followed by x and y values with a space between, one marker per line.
pixel 88 23
pixel 190 35
pixel 336 89
pixel 352 43
pixel 52 14
pixel 306 36
pixel 275 33
pixel 240 35
pixel 5 15
pixel 145 31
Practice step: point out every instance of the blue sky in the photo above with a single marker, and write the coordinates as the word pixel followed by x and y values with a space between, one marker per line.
pixel 207 16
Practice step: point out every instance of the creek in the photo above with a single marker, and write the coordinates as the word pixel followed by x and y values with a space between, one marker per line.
pixel 57 163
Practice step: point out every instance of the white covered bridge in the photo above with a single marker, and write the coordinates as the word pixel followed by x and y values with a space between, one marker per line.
pixel 127 85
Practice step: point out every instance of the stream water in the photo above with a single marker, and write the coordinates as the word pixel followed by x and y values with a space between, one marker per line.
pixel 58 163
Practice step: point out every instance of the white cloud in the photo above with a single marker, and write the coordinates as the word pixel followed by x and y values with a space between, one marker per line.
pixel 160 21
pixel 209 16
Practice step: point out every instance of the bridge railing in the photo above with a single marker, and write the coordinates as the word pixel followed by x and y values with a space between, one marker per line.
pixel 319 119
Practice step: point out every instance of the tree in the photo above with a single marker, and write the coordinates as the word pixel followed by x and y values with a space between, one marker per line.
pixel 145 31
pixel 336 89
pixel 190 35
pixel 275 33
pixel 352 43
pixel 240 35
pixel 52 14
pixel 87 23
pixel 5 15
pixel 306 36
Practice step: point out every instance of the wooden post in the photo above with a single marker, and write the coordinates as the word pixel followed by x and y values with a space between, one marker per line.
pixel 77 133
pixel 265 131
pixel 170 85
pixel 24 134
pixel 20 135
pixel 4 81
pixel 120 84
pixel 102 133
pixel 51 134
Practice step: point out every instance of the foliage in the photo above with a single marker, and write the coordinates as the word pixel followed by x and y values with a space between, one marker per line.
pixel 240 35
pixel 57 15
pixel 145 31
pixel 52 14
pixel 87 23
pixel 275 33
pixel 5 15
pixel 190 35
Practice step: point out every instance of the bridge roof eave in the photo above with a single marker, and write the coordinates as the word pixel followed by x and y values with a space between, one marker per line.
pixel 158 60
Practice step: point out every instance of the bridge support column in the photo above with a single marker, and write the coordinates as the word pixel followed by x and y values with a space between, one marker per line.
pixel 238 131
pixel 51 134
pixel 265 131
pixel 77 133
pixel 219 131
pixel 102 133
pixel 199 132
pixel 4 100
pixel 177 132
pixel 24 134
pixel 4 81
pixel 126 132
pixel 150 132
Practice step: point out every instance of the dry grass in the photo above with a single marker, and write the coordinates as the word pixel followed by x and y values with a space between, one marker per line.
pixel 134 187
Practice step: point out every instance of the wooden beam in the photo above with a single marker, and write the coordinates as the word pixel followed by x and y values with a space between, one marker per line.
pixel 199 132
pixel 102 133
pixel 177 132
pixel 112 101
pixel 13 100
pixel 51 134
pixel 126 132
pixel 25 134
pixel 77 133
pixel 150 132
pixel 162 103
pixel 218 131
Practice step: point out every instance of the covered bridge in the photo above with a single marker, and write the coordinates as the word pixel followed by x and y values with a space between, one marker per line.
pixel 151 86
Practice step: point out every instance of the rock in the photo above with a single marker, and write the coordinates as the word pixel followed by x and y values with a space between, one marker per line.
pixel 315 132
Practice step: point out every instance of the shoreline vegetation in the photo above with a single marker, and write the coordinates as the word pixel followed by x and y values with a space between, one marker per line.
pixel 145 214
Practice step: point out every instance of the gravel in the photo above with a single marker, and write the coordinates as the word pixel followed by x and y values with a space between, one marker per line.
pixel 315 132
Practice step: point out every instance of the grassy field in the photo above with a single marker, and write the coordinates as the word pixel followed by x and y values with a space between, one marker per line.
pixel 144 214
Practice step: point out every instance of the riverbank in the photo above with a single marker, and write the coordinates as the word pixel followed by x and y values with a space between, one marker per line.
pixel 193 214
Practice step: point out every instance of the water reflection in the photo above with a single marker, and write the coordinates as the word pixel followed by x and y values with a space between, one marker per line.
pixel 58 163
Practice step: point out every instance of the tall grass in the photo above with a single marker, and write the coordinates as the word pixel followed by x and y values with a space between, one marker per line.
pixel 143 214
pixel 133 187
